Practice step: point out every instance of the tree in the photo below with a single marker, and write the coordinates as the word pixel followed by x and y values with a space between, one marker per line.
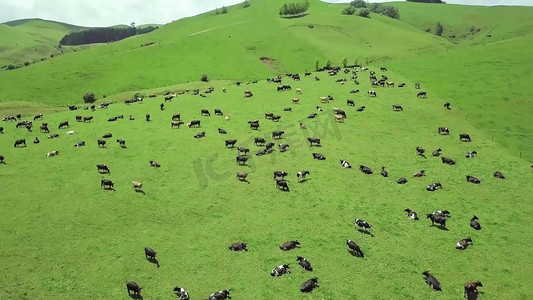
pixel 204 78
pixel 349 10
pixel 26 63
pixel 246 4
pixel 356 61
pixel 391 12
pixel 316 64
pixel 132 24
pixel 364 12
pixel 344 62
pixel 439 29
pixel 293 9
pixel 224 10
pixel 328 64
pixel 89 98
pixel 358 3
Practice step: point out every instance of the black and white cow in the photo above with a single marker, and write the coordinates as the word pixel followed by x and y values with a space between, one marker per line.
pixel 372 93
pixel 350 102
pixel 277 134
pixel 218 112
pixel 448 161
pixel 19 142
pixel 318 156
pixel 422 94
pixel 300 175
pixel 107 135
pixel 220 295
pixel 434 186
pixel 106 184
pixel 122 143
pixel 241 159
pixel 199 135
pixel 282 185
pixel 463 244
pixel 472 179
pixel 205 112
pixel 181 293
pixel 315 141
pixel 102 169
pixel 63 124
pixel 401 180
pixel 436 218
pixel 283 147
pixel 364 225
pixel 243 150
pixel 230 143
pixel 411 214
pixel 259 141
pixel 79 144
pixel 474 223
pixel 289 245
pixel 464 137
pixel 154 164
pixel 281 174
pixel 499 175
pixel 280 270
pixel 345 164
pixel 471 154
pixel 444 131
pixel 355 250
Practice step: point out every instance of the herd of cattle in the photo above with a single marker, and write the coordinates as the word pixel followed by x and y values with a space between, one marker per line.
pixel 242 157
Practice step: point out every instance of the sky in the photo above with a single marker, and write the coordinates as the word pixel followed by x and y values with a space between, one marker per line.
pixel 101 13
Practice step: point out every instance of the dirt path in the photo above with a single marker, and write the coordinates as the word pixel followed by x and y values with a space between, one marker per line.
pixel 203 31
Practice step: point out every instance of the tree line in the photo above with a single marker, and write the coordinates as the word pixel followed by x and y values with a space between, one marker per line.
pixel 102 35
pixel 293 9
pixel 427 1
pixel 363 9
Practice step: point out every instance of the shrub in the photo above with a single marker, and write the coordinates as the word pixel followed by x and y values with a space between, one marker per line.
pixel 358 3
pixel 328 64
pixel 344 62
pixel 364 12
pixel 316 64
pixel 89 98
pixel 391 12
pixel 292 9
pixel 204 78
pixel 26 63
pixel 311 26
pixel 224 10
pixel 246 4
pixel 349 10
pixel 439 29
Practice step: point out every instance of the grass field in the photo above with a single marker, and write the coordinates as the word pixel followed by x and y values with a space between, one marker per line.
pixel 75 240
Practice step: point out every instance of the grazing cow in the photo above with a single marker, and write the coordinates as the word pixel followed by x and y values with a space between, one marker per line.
pixel 199 135
pixel 193 123
pixel 2 159
pixel 226 118
pixel 464 137
pixel 307 74
pixel 340 112
pixel 238 246
pixel 401 85
pixel 318 156
pixel 52 153
pixel 132 286
pixel 19 142
pixel 176 117
pixel 411 214
pixel 230 143
pixel 345 164
pixel 147 117
pixel 36 140
pixel 154 164
pixel 205 112
pixel 269 146
pixel 280 270
pixel 254 125
pixel 87 119
pixel 463 244
pixel 442 213
pixel 277 134
pixel 149 252
pixel 471 154
pixel 448 161
pixel 70 132
pixel 218 112
pixel 259 141
pixel 447 105
pixel 283 147
pixel 169 98
pixel 420 173
pixel 350 102
pixel 384 173
pixel 309 285
pixel 472 179
pixel 241 159
pixel 289 245
pixel 53 136
pixel 471 288
pixel 248 94
pixel 434 186
pixel 437 152
pixel 301 175
pixel 78 118
pixel 137 185
pixel 432 281
pixel 444 131
pixel 113 119
pixel 361 108
pixel 499 175
pixel 401 180
pixel 38 117
pixel 421 94
pixel 276 118
pixel 363 224
pixel 315 141
pixel 287 109
pixel 324 100
pixel 107 135
pixel 282 185
pixel 355 250
pixel 420 151
pixel 181 293
pixel 72 107
pixel 437 218
pixel 220 295
pixel 389 84
pixel 107 184
pixel 243 150
pixel 304 263
pixel 383 69
pixel 372 93
pixel 295 100
pixel 176 124
pixel 101 143
pixel 281 174
pixel 312 116
pixel 2 130
pixel 242 176
pixel 63 124
pixel 365 170
pixel 298 91
pixel 102 168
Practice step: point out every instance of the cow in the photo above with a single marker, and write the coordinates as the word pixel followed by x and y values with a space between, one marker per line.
pixel 226 118
pixel 312 116
pixel 383 69
pixel 248 94
pixel 434 186
pixel 176 124
pixel 289 245
pixel 340 112
pixel 464 137
pixel 287 109
pixel 230 143
pixel 437 152
pixel 169 98
pixel 384 173
pixel 437 218
pixel 444 131
pixel 401 180
pixel 149 253
pixel 1 130
pixel 259 141
pixel 324 100
pixel 420 173
pixel 238 246
pixel 205 112
pixel 354 249
pixel 401 85
pixel 442 213
pixel 420 151
pixel 350 102
pixel 389 84
pixel 397 107
pixel 199 135
pixel 304 263
pixel 281 174
pixel 101 143
pixel 499 175
pixel 19 142
pixel 366 170
pixel 87 119
pixel 315 141
pixel 463 244
pixel 421 94
pixel 181 293
pixel 193 123
pixel 72 107
pixel 176 117
pixel 318 156
pixel 102 168
pixel 241 159
pixel 132 286
pixel 52 153
pixel 36 140
pixel 283 147
pixel 79 144
pixel 282 185
pixel 107 135
pixel 471 288
pixel 277 134
pixel 276 118
pixel 63 124
pixel 147 118
pixel 362 224
pixel 411 214
pixel 471 154
pixel 2 159
pixel 472 179
pixel 220 295
pixel 309 285
pixel 254 125
pixel 218 112
pixel 53 136
pixel 243 150
pixel 447 105
pixel 372 93
pixel 280 270
pixel 107 184
pixel 448 161
pixel 295 100
pixel 345 164
pixel 38 117
pixel 300 175
pixel 154 164
pixel 432 281
pixel 122 143
pixel 307 74
pixel 298 91
pixel 242 176
pixel 112 119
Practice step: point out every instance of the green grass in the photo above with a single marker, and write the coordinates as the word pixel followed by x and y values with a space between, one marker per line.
pixel 63 237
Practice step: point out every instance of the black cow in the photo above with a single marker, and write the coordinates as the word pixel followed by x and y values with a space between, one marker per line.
pixel 19 142
pixel 1 130
pixel 194 123
pixel 363 224
pixel 361 108
pixel 199 135
pixel 283 147
pixel 218 112
pixel 72 107
pixel 366 170
pixel 421 94
pixel 220 295
pixel 277 134
pixel 280 270
pixel 437 218
pixel 276 118
pixel 87 119
pixel 411 214
pixel 432 281
pixel 107 184
pixel 289 245
pixel 205 112
pixel 107 135
pixel 259 141
pixel 384 173
pixel 309 285
pixel 318 156
pixel 447 105
pixel 79 144
pixel 304 263
pixel 241 159
pixel 401 180
pixel 471 289
pixel 312 116
pixel 354 91
pixel 122 143
pixel 36 140
pixel 112 119
pixel 401 84
pixel 38 117
pixel 132 286
pixel 350 102
pixel 78 118
pixel 315 141
pixel 63 124
pixel 261 152
pixel 149 253
pixel 147 117
pixel 499 175
pixel 154 164
pixel 176 117
pixel 436 152
pixel 53 136
pixel 282 185
pixel 230 143
pixel 222 131
pixel 472 179
pixel 287 109
pixel 464 137
pixel 355 250
pixel 254 124
pixel 162 106
pixel 397 107
pixel 101 143
pixel 243 150
pixel 420 151
pixel 169 98
pixel 447 161
pixel 239 246
pixel 102 168
pixel 281 174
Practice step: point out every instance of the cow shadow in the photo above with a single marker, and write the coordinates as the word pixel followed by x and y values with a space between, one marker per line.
pixel 365 232
pixel 140 192
pixel 124 147
pixel 2 162
pixel 303 180
pixel 473 296
pixel 134 296
pixel 153 261
pixel 355 253
pixel 244 180
pixel 443 228
pixel 103 172
pixel 109 189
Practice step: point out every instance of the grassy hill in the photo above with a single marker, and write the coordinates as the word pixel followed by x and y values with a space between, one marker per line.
pixel 63 235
